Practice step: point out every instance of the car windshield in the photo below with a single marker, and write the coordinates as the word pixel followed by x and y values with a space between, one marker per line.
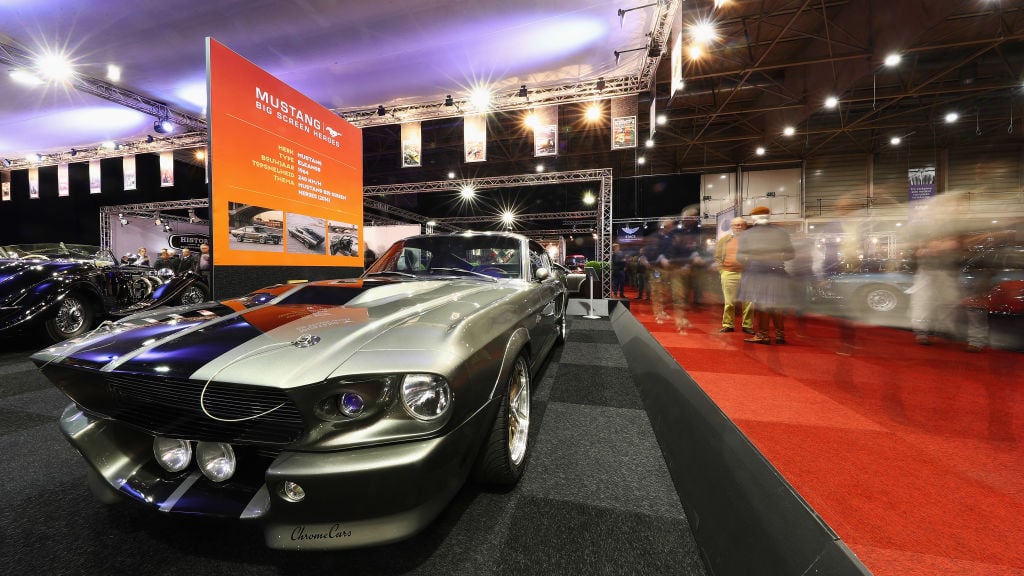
pixel 52 251
pixel 482 256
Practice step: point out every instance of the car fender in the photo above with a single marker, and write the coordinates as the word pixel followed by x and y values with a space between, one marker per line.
pixel 517 342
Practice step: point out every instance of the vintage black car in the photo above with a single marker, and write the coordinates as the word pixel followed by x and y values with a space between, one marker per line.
pixel 307 236
pixel 335 413
pixel 260 234
pixel 344 245
pixel 66 289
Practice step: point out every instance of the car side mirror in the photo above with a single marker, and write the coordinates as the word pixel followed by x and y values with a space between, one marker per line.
pixel 542 274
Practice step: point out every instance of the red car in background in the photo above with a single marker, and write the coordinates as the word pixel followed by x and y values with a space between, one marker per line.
pixel 575 262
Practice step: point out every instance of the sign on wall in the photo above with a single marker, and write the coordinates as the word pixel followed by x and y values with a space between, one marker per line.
pixel 411 144
pixel 94 176
pixel 475 137
pixel 62 180
pixel 5 188
pixel 33 183
pixel 128 163
pixel 286 172
pixel 545 131
pixel 167 169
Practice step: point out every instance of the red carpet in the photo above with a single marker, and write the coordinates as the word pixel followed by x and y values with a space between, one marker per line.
pixel 914 455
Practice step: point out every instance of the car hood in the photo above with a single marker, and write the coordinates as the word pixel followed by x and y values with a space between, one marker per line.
pixel 287 342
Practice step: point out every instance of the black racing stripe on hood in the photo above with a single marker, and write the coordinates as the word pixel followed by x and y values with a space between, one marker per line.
pixel 190 352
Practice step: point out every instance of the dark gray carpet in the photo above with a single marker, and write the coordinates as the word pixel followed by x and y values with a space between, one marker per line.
pixel 596 497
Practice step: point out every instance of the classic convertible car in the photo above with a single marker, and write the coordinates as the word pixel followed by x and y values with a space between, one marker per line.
pixel 66 289
pixel 336 413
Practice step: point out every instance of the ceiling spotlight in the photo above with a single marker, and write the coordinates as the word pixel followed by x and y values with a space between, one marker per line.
pixel 150 139
pixel 789 130
pixel 895 140
pixel 641 160
pixel 522 92
pixel 831 102
pixel 451 175
pixel 649 143
pixel 381 111
pixel 113 72
pixel 448 100
pixel 7 163
pixel 74 152
pixel 892 59
pixel 600 84
pixel 760 151
pixel 593 112
pixel 163 126
pixel 952 117
pixel 540 167
pixel 661 119
pixel 34 157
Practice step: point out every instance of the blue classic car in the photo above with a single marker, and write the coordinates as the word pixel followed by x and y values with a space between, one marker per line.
pixel 879 287
pixel 335 413
pixel 66 289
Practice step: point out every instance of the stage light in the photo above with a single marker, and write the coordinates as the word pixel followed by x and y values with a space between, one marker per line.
pixel 451 175
pixel 540 168
pixel 895 140
pixel 600 84
pixel 661 119
pixel 522 92
pixel 952 117
pixel 7 163
pixel 641 160
pixel 593 112
pixel 74 152
pixel 649 143
pixel 789 130
pixel 55 67
pixel 150 139
pixel 163 126
pixel 831 102
pixel 167 227
pixel 481 98
pixel 113 72
pixel 892 59
pixel 33 157
pixel 448 100
pixel 109 145
pixel 26 78
pixel 760 151
pixel 381 111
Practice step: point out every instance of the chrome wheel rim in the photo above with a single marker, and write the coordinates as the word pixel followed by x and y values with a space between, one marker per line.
pixel 518 412
pixel 192 295
pixel 881 300
pixel 70 316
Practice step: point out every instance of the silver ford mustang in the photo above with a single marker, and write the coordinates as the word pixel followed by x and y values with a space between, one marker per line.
pixel 336 413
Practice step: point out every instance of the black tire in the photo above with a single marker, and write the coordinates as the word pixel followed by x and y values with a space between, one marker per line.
pixel 504 454
pixel 193 294
pixel 75 316
pixel 563 328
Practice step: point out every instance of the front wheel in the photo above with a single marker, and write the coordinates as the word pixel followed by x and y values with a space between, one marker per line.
pixel 880 299
pixel 74 316
pixel 503 459
pixel 194 294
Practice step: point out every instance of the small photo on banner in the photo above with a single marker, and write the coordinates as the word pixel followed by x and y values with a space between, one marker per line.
pixel 475 137
pixel 33 182
pixel 411 145
pixel 166 169
pixel 6 188
pixel 129 172
pixel 624 115
pixel 545 131
pixel 62 179
pixel 94 176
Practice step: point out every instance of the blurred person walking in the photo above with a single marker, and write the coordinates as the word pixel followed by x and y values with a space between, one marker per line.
pixel 935 294
pixel 729 269
pixel 618 272
pixel 763 251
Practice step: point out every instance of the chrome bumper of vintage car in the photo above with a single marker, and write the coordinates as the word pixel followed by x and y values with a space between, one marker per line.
pixel 353 498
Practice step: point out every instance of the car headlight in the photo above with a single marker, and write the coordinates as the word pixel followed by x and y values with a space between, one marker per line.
pixel 172 454
pixel 426 396
pixel 216 460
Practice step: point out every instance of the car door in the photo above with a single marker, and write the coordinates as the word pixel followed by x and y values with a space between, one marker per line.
pixel 549 295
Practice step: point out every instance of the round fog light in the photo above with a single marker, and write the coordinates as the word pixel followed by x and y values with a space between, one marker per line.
pixel 216 460
pixel 351 404
pixel 172 454
pixel 292 491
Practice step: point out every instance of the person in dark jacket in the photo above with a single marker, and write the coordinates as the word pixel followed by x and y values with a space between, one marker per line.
pixel 763 251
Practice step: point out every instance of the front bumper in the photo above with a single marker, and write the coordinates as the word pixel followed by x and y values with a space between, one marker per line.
pixel 354 498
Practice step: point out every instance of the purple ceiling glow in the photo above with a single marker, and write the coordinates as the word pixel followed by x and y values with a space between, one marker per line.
pixel 342 55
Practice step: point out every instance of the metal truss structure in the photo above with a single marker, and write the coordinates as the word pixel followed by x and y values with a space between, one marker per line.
pixel 14 56
pixel 602 216
pixel 155 145
pixel 407 215
pixel 541 96
pixel 147 210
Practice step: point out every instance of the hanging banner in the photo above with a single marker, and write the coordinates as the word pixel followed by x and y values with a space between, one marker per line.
pixel 166 168
pixel 94 176
pixel 921 188
pixel 545 131
pixel 62 180
pixel 6 188
pixel 624 114
pixel 475 137
pixel 654 117
pixel 33 183
pixel 128 163
pixel 677 66
pixel 411 144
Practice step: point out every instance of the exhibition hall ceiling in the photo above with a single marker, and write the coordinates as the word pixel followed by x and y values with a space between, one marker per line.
pixel 767 65
pixel 344 55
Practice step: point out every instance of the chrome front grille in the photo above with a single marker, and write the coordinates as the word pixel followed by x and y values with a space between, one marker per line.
pixel 227 413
